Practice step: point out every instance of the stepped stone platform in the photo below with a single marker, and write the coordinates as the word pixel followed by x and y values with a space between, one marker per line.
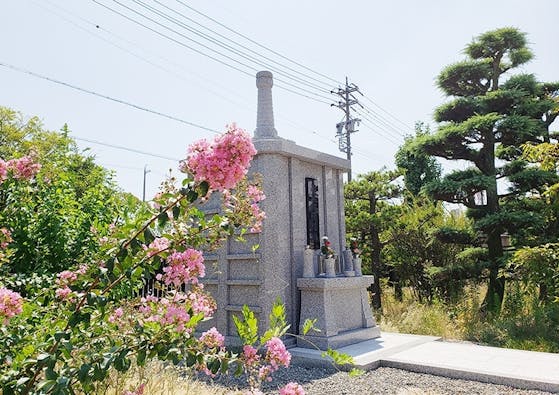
pixel 428 354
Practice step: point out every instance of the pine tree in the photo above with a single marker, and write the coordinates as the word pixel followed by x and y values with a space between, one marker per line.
pixel 485 123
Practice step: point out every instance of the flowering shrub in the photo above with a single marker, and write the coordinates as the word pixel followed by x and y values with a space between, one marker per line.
pixel 223 162
pixel 89 320
pixel 10 304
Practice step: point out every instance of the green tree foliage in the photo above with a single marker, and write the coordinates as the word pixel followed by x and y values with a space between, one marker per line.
pixel 427 250
pixel 368 208
pixel 536 263
pixel 419 168
pixel 52 219
pixel 485 122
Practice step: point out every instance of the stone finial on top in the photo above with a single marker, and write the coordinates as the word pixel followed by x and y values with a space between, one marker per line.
pixel 265 116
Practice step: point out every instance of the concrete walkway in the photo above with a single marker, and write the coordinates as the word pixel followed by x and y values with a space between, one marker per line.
pixel 428 354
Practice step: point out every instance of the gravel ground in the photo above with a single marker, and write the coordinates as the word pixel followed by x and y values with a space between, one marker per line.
pixel 319 381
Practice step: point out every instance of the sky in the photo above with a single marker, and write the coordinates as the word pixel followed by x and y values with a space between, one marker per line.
pixel 392 50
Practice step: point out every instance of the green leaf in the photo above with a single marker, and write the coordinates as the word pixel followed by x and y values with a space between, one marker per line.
pixel 203 188
pixel 43 357
pixel 247 327
pixel 22 381
pixel 148 235
pixel 308 325
pixel 46 385
pixel 122 364
pixel 162 219
pixel 83 373
pixel 214 365
pixel 176 212
pixel 110 264
pixel 355 372
pixel 337 357
pixel 141 357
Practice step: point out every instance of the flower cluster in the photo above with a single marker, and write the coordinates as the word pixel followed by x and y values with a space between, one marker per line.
pixel 11 303
pixel 212 338
pixel 5 238
pixel 222 163
pixel 256 195
pixel 158 245
pixel 276 354
pixel 292 389
pixel 116 315
pixel 250 356
pixel 165 311
pixel 183 268
pixel 201 302
pixel 65 279
pixel 23 168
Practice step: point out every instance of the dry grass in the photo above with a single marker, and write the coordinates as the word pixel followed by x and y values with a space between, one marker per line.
pixel 409 316
pixel 159 379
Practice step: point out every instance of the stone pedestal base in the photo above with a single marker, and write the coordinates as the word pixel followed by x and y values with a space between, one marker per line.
pixel 341 308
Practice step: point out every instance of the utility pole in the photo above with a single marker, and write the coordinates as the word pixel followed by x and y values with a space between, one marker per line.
pixel 348 100
pixel 146 171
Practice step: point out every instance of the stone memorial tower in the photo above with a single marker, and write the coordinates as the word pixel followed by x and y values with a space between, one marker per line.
pixel 304 202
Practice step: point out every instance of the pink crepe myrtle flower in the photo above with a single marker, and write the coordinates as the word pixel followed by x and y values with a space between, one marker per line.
pixel 176 316
pixel 276 353
pixel 183 267
pixel 5 238
pixel 157 245
pixel 292 389
pixel 63 293
pixel 202 303
pixel 167 312
pixel 11 304
pixel 212 338
pixel 3 170
pixel 66 277
pixel 23 168
pixel 223 162
pixel 117 314
pixel 250 355
pixel 264 373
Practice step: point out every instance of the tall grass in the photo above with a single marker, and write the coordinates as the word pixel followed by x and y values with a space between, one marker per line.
pixel 523 323
pixel 159 379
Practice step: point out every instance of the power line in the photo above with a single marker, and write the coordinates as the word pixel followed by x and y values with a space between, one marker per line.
pixel 121 147
pixel 208 48
pixel 382 120
pixel 388 113
pixel 381 128
pixel 257 43
pixel 126 103
pixel 159 66
pixel 232 49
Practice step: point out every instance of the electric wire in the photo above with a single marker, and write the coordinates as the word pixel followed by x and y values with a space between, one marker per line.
pixel 155 112
pixel 288 59
pixel 230 48
pixel 208 48
pixel 388 113
pixel 257 43
pixel 130 52
pixel 383 120
pixel 386 128
pixel 123 102
pixel 121 147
